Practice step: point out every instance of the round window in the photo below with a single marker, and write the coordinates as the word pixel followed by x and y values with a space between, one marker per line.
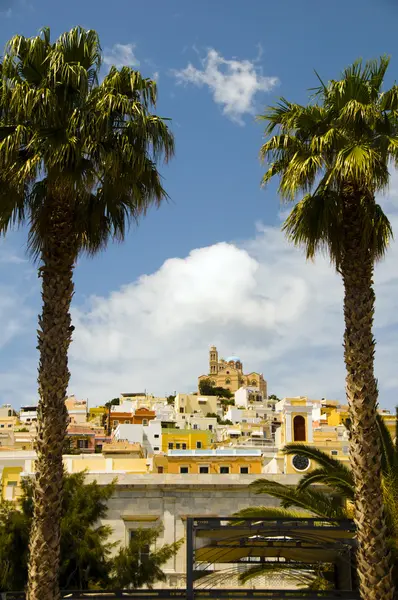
pixel 300 463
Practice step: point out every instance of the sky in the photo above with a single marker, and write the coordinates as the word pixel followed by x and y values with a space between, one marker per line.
pixel 211 266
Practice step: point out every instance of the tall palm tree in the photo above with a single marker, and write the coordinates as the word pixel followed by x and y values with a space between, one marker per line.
pixel 336 152
pixel 78 162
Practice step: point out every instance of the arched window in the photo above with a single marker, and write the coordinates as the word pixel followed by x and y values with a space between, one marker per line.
pixel 227 381
pixel 254 382
pixel 299 429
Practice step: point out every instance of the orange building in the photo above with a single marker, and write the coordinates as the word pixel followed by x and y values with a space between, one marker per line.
pixel 142 416
pixel 120 418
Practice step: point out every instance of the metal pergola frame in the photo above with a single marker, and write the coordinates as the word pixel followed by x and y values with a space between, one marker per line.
pixel 287 535
pixel 239 538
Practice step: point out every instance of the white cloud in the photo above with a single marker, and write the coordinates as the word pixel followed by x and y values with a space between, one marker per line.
pixel 121 55
pixel 233 83
pixel 260 300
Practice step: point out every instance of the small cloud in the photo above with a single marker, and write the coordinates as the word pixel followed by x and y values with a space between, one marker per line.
pixel 121 55
pixel 233 83
pixel 155 76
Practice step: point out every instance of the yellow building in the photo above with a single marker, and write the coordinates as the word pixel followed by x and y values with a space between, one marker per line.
pixel 297 426
pixel 233 461
pixel 186 439
pixel 8 418
pixel 11 483
pixel 96 414
pixel 15 465
pixel 337 416
pixel 229 374
pixel 190 404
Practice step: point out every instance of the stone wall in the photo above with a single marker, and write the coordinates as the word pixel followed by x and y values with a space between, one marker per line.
pixel 166 500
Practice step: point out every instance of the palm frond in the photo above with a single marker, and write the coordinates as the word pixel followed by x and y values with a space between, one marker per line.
pixel 389 455
pixel 313 453
pixel 344 139
pixel 309 500
pixel 98 144
pixel 340 480
pixel 271 512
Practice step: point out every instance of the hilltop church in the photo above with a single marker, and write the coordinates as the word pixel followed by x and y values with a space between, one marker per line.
pixel 229 374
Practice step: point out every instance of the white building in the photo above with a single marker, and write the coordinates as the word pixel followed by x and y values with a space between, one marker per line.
pixel 196 421
pixel 241 415
pixel 148 436
pixel 28 414
pixel 165 412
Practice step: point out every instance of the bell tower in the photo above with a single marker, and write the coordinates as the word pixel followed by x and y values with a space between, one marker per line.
pixel 213 361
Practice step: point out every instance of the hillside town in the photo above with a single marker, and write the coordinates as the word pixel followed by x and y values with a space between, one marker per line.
pixel 182 455
pixel 235 428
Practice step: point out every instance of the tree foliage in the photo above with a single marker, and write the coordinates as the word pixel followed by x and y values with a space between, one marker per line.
pixel 64 134
pixel 88 559
pixel 342 141
pixel 206 388
pixel 135 565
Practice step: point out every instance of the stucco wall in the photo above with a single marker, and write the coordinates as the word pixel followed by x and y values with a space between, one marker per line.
pixel 166 500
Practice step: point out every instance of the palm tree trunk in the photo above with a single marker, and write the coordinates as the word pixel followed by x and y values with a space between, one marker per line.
pixel 54 337
pixel 373 557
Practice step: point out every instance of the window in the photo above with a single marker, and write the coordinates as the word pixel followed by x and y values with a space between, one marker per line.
pixel 156 448
pixel 171 446
pixel 195 426
pixel 127 422
pixel 203 470
pixel 1 426
pixel 10 425
pixel 178 446
pixel 184 446
pixel 334 452
pixel 10 490
pixel 300 463
pixel 210 427
pixel 145 422
pixel 198 445
pixel 299 429
pixel 156 435
pixel 224 470
pixel 227 381
pixel 184 470
pixel 82 443
pixel 160 469
pixel 144 549
pixel 244 470
pixel 181 409
pixel 115 423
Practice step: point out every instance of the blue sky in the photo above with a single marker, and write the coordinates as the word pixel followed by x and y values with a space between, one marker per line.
pixel 211 265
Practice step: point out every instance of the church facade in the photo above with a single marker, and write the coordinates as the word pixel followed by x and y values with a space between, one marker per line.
pixel 229 374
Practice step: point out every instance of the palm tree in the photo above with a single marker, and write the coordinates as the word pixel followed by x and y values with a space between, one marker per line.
pixel 336 152
pixel 78 162
pixel 336 499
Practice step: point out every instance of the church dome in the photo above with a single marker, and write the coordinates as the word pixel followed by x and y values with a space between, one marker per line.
pixel 233 358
